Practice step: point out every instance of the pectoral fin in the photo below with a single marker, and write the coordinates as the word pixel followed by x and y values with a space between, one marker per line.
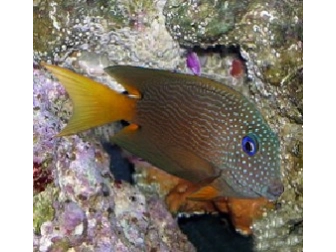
pixel 195 169
pixel 174 160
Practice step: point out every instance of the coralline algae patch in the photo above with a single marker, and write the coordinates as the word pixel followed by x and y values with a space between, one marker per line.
pixel 45 127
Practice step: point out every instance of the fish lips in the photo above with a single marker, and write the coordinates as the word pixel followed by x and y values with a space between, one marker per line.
pixel 274 190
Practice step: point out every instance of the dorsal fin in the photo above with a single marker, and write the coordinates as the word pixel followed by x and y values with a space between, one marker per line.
pixel 134 78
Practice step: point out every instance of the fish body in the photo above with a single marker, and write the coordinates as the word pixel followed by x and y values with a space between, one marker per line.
pixel 191 127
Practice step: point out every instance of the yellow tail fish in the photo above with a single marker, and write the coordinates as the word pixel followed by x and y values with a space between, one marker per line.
pixel 191 127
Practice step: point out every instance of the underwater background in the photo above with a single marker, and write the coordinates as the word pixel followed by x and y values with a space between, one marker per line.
pixel 90 196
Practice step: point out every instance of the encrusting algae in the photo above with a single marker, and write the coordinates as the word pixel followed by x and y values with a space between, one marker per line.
pixel 191 127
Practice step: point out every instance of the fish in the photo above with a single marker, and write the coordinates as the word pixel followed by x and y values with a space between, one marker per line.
pixel 192 127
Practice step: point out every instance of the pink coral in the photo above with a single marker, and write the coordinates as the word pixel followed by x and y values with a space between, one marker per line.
pixel 193 63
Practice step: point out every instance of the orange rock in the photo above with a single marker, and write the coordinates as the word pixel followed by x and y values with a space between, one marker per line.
pixel 177 200
pixel 150 175
pixel 176 191
pixel 244 211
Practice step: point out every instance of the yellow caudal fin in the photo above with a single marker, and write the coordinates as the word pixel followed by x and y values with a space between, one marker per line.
pixel 94 104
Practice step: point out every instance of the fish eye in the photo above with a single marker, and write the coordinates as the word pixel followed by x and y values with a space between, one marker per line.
pixel 250 144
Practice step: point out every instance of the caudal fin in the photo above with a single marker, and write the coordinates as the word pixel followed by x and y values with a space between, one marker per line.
pixel 94 104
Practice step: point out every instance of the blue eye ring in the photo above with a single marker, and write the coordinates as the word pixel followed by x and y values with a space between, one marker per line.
pixel 250 144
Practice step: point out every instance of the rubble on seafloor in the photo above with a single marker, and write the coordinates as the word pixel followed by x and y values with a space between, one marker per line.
pixel 253 46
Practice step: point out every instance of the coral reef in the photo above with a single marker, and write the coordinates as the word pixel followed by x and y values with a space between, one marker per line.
pixel 253 46
pixel 192 22
pixel 271 33
pixel 104 34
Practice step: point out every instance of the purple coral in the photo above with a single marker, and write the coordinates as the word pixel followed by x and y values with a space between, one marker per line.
pixel 72 220
pixel 45 127
pixel 45 124
pixel 193 63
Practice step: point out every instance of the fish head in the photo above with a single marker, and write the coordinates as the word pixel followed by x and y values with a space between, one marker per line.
pixel 252 163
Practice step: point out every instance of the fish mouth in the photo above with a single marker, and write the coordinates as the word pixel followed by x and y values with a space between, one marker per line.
pixel 274 189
